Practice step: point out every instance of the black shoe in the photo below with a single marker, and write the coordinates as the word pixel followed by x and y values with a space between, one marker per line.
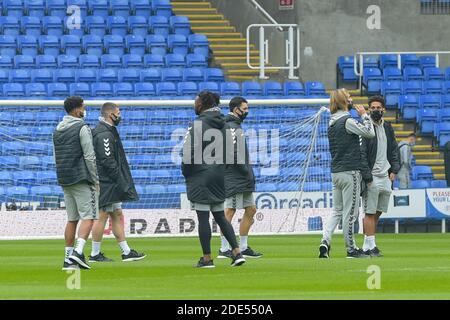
pixel 238 260
pixel 224 255
pixel 375 252
pixel 324 250
pixel 250 253
pixel 99 258
pixel 133 256
pixel 69 266
pixel 357 254
pixel 205 264
pixel 79 260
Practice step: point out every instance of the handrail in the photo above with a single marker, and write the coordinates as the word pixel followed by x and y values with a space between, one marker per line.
pixel 360 55
pixel 268 16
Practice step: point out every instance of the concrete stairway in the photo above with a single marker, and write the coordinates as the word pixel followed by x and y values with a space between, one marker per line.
pixel 229 47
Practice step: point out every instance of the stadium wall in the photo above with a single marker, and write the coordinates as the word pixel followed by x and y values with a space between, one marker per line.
pixel 326 30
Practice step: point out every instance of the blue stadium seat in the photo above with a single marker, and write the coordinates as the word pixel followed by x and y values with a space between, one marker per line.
pixel 135 44
pixel 9 163
pixel 4 76
pixel 154 61
pixel 371 74
pixel 30 26
pixel 196 60
pixel 52 26
pixel 293 88
pixel 166 88
pixel 446 89
pixel 230 88
pixel 67 61
pixel 420 184
pixel 47 162
pixel 388 60
pixel 176 188
pixel 199 41
pixel 315 88
pixel 123 89
pixel 144 89
pixel 427 119
pixel 71 45
pixel 422 173
pixel 6 62
pixel 119 8
pixel 57 90
pixel 312 186
pixel 18 193
pixel 251 88
pixel 138 25
pixel 42 133
pixel 132 61
pixel 35 8
pixel 214 74
pixel 193 74
pixel 6 119
pixel 430 101
pixel 107 75
pixel 150 75
pixel 175 60
pixel 29 162
pixel 391 90
pixel 9 26
pixel 116 25
pixel 172 74
pixel 412 87
pixel 23 61
pixel 101 89
pixel 162 8
pixel 35 89
pixel 447 73
pixel 89 61
pixel 48 118
pixel 45 61
pixel 19 75
pixel 156 44
pixel 41 191
pixel 187 88
pixel 27 45
pixel 409 104
pixel 180 25
pixel 412 73
pixel 141 7
pixel 92 45
pixel 24 177
pixel 159 25
pixel 128 75
pixel 445 114
pixel 157 189
pixel 96 25
pixel 114 44
pixel 427 61
pixel 110 61
pixel 86 75
pixel 64 75
pixel 409 60
pixel 209 86
pixel 432 87
pixel 7 178
pixel 49 45
pixel 79 89
pixel 266 187
pixel 178 43
pixel 439 184
pixel 13 148
pixel 7 45
pixel 98 8
pixel 392 73
pixel 442 132
pixel 272 88
pixel 433 73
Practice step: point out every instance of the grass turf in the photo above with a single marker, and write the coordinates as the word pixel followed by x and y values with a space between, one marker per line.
pixel 415 266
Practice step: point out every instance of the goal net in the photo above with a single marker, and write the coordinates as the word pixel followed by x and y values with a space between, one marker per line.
pixel 288 149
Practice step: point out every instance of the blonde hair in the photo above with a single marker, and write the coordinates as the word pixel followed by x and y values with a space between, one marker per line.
pixel 338 100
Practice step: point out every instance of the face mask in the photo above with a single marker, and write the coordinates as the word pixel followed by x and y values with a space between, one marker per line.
pixel 116 119
pixel 243 114
pixel 376 115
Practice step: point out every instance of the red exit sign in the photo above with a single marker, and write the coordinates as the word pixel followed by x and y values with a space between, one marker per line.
pixel 286 4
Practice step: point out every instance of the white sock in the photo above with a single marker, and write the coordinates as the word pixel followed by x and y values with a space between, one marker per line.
pixel 366 245
pixel 373 244
pixel 95 248
pixel 124 247
pixel 225 246
pixel 370 242
pixel 68 251
pixel 243 243
pixel 80 245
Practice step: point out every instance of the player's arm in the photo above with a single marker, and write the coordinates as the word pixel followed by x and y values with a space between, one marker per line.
pixel 188 153
pixel 89 152
pixel 105 150
pixel 365 128
pixel 395 153
pixel 365 170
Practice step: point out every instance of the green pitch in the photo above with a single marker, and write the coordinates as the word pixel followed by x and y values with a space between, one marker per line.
pixel 415 266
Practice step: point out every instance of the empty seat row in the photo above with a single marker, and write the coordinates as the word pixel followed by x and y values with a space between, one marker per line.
pixel 94 25
pixel 104 61
pixel 59 8
pixel 96 45
pixel 409 73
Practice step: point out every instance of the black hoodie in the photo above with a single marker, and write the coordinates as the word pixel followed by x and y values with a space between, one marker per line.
pixel 204 181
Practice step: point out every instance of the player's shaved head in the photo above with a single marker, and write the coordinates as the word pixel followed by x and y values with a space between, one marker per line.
pixel 108 108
